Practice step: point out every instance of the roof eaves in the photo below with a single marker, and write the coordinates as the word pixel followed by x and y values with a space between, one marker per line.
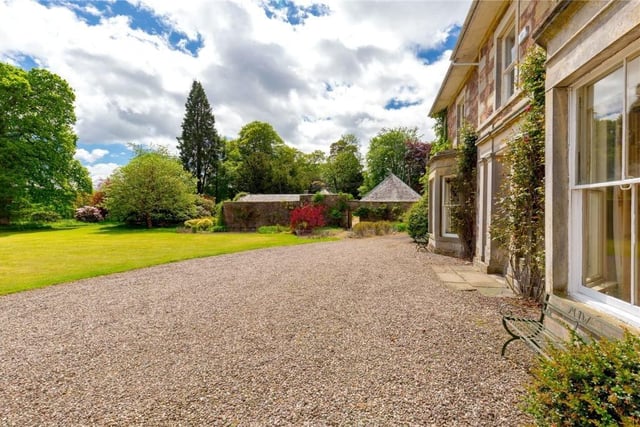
pixel 464 29
pixel 449 88
pixel 477 26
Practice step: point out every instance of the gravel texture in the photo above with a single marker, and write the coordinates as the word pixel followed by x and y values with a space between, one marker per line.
pixel 353 332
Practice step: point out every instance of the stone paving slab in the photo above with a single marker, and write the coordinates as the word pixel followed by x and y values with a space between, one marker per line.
pixel 451 277
pixel 457 286
pixel 480 279
pixel 440 268
pixel 466 278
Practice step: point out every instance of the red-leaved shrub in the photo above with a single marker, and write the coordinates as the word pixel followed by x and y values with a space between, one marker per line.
pixel 307 217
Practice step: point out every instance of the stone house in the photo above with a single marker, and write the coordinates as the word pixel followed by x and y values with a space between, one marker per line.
pixel 480 89
pixel 592 154
pixel 592 210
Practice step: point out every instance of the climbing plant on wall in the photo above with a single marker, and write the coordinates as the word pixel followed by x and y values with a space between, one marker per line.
pixel 464 188
pixel 519 221
pixel 441 142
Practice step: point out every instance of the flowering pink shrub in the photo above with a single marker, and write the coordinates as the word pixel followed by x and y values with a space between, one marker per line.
pixel 307 217
pixel 88 214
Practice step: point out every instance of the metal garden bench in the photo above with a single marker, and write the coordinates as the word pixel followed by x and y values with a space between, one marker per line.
pixel 535 334
pixel 422 242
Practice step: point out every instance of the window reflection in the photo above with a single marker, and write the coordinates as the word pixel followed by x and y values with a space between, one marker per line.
pixel 600 151
pixel 633 117
pixel 607 241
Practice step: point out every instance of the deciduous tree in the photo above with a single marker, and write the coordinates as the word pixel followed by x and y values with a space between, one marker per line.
pixel 343 169
pixel 415 160
pixel 257 145
pixel 153 187
pixel 37 144
pixel 393 151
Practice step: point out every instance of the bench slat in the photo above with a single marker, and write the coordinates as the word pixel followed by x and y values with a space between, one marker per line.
pixel 534 333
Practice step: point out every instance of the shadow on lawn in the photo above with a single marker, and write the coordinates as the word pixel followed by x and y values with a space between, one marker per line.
pixel 119 228
pixel 10 230
pixel 101 228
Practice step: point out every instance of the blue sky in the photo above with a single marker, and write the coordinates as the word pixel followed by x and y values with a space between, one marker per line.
pixel 314 70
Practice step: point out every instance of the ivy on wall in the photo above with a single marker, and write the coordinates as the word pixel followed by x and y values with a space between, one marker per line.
pixel 464 188
pixel 519 222
pixel 442 142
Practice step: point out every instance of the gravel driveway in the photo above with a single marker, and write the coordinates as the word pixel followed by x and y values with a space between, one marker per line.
pixel 355 332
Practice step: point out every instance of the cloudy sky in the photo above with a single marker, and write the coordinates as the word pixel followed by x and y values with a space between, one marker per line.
pixel 313 70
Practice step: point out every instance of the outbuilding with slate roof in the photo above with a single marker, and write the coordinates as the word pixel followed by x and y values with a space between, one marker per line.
pixel 392 189
pixel 389 200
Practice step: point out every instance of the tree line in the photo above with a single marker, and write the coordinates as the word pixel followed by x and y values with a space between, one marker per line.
pixel 40 179
pixel 259 161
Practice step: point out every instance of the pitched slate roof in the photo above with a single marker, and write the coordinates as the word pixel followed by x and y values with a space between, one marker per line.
pixel 270 198
pixel 392 189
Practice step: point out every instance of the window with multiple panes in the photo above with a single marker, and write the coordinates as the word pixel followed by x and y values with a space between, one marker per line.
pixel 606 187
pixel 449 201
pixel 507 55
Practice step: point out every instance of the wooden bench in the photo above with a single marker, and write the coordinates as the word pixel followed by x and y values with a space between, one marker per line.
pixel 535 334
pixel 422 242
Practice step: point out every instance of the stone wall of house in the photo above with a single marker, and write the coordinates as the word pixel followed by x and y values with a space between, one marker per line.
pixel 494 125
pixel 481 87
pixel 486 81
pixel 451 122
pixel 533 13
pixel 580 39
pixel 470 94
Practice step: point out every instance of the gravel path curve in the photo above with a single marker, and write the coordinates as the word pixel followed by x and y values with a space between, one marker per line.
pixel 353 332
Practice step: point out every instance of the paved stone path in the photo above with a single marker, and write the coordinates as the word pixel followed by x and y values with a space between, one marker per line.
pixel 464 277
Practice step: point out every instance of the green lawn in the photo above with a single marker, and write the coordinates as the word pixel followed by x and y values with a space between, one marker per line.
pixel 34 259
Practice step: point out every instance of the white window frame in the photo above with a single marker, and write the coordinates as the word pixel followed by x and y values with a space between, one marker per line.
pixel 446 210
pixel 431 206
pixel 606 303
pixel 508 23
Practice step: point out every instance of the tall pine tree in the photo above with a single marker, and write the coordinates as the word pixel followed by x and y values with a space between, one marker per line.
pixel 200 146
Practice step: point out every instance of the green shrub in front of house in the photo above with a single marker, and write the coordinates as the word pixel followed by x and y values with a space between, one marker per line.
pixel 595 384
pixel 417 218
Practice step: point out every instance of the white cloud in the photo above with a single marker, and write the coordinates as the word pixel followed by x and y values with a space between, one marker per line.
pixel 90 157
pixel 100 171
pixel 131 86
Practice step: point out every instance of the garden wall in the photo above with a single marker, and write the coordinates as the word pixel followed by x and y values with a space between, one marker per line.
pixel 249 216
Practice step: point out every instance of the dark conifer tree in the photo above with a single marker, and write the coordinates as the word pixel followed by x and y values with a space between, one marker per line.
pixel 200 146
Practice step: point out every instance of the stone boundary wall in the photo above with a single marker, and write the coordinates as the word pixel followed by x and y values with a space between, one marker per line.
pixel 249 216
